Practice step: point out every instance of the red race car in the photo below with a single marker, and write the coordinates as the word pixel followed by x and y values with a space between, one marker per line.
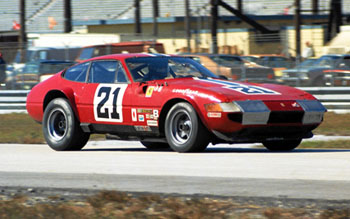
pixel 168 101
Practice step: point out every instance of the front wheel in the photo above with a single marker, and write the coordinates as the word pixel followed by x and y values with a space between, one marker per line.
pixel 61 128
pixel 184 130
pixel 282 145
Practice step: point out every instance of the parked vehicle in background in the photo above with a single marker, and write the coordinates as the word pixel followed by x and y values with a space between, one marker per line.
pixel 29 76
pixel 339 76
pixel 277 62
pixel 313 75
pixel 235 68
pixel 123 47
pixel 33 54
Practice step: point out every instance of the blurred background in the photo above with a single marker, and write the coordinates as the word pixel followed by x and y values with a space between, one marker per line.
pixel 292 42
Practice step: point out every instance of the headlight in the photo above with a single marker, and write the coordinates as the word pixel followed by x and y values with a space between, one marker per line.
pixel 230 107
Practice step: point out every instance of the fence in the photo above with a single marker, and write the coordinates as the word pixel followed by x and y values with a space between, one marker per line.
pixel 335 99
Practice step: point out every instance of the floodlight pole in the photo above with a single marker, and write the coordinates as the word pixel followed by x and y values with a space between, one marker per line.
pixel 155 16
pixel 137 17
pixel 67 16
pixel 214 25
pixel 297 23
pixel 188 25
pixel 22 21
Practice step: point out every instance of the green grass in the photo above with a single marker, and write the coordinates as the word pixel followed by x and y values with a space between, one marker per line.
pixel 21 128
pixel 338 144
pixel 334 124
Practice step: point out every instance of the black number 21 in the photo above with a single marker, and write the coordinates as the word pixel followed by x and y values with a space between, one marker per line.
pixel 107 91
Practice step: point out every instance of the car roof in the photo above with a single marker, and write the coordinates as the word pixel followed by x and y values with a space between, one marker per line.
pixel 130 55
pixel 131 43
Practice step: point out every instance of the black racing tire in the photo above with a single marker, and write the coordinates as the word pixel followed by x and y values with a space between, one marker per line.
pixel 61 128
pixel 282 145
pixel 155 145
pixel 184 131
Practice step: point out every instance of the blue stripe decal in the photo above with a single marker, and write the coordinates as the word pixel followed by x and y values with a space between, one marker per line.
pixel 242 88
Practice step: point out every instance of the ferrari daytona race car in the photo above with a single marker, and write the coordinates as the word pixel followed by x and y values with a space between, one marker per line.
pixel 168 101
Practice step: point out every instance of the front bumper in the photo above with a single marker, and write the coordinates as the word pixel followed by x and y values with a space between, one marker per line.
pixel 259 121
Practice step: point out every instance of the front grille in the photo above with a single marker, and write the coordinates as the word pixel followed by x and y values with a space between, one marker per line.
pixel 235 117
pixel 286 117
pixel 275 117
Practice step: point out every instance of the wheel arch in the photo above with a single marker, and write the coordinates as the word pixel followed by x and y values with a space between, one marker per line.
pixel 53 94
pixel 170 103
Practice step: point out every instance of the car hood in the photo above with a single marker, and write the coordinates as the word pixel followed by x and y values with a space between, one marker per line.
pixel 225 90
pixel 307 69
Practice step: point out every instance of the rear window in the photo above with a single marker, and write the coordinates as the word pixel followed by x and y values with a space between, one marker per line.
pixel 77 72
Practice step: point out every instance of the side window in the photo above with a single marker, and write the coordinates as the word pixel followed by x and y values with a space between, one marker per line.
pixel 107 72
pixel 77 73
pixel 121 75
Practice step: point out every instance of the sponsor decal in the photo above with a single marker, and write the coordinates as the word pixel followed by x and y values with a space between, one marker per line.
pixel 108 99
pixel 143 128
pixel 155 113
pixel 141 118
pixel 134 115
pixel 214 115
pixel 242 88
pixel 149 91
pixel 152 123
pixel 149 111
pixel 185 91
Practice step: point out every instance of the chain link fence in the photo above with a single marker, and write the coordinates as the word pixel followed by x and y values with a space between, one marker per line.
pixel 243 55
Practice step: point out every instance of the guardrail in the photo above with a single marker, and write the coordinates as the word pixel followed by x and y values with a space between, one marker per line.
pixel 13 101
pixel 333 98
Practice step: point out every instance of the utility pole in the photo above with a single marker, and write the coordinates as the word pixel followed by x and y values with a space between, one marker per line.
pixel 137 17
pixel 22 21
pixel 314 7
pixel 297 23
pixel 188 25
pixel 155 15
pixel 67 16
pixel 239 6
pixel 214 25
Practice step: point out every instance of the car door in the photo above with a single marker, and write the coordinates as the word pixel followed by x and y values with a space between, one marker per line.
pixel 104 92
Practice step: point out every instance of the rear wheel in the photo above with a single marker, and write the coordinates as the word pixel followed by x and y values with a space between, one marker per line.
pixel 183 129
pixel 61 128
pixel 154 145
pixel 282 145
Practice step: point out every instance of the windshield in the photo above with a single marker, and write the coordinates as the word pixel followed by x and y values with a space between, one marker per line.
pixel 86 53
pixel 155 68
pixel 327 61
pixel 307 63
pixel 227 60
pixel 23 56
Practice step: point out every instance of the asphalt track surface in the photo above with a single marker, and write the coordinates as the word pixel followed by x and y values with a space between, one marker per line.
pixel 223 170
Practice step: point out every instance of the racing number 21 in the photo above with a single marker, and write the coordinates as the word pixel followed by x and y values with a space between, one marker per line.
pixel 108 103
pixel 105 114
